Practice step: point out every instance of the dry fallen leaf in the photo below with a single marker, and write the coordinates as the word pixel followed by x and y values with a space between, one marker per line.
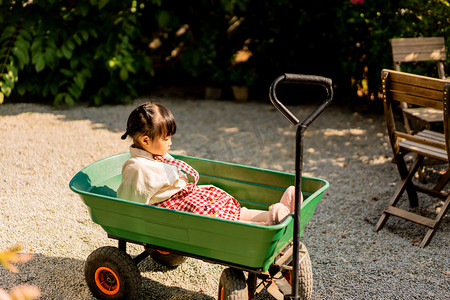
pixel 11 256
pixel 24 292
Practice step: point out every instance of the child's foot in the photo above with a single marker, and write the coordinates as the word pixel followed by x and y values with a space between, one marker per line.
pixel 277 213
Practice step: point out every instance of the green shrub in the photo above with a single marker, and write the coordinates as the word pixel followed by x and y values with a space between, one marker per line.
pixel 101 51
pixel 365 31
pixel 72 50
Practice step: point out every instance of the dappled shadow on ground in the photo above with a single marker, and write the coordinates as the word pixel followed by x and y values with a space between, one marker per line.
pixel 62 278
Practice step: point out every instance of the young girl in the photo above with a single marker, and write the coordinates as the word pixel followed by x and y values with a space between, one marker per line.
pixel 151 176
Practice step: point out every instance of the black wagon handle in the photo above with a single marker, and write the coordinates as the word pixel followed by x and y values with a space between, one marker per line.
pixel 301 79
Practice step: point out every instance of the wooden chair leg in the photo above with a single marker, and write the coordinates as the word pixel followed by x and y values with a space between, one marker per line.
pixel 406 184
pixel 405 174
pixel 439 217
pixel 442 181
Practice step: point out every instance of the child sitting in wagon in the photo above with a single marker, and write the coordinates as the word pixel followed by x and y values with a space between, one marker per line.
pixel 152 176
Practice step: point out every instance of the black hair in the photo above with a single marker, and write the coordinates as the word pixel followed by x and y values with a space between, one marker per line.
pixel 152 120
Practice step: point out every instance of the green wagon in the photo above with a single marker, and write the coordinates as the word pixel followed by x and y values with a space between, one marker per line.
pixel 168 236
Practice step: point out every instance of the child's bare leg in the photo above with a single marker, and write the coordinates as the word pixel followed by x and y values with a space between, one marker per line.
pixel 277 212
pixel 253 215
pixel 288 198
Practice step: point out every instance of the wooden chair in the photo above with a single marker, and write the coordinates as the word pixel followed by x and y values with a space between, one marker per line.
pixel 410 50
pixel 427 92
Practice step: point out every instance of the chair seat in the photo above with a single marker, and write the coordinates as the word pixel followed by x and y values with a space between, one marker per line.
pixel 429 115
pixel 427 150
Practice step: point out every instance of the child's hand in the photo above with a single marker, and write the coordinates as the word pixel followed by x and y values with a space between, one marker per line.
pixel 184 177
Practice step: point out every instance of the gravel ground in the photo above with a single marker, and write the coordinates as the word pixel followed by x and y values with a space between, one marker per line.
pixel 43 148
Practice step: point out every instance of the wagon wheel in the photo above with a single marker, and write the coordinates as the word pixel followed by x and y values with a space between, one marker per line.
pixel 232 285
pixel 165 258
pixel 111 273
pixel 305 285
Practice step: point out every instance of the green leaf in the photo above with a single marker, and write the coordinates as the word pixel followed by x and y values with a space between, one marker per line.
pixel 50 58
pixel 86 73
pixel 77 39
pixel 58 98
pixel 118 20
pixel 68 73
pixel 75 91
pixel 59 53
pixel 26 35
pixel 69 100
pixel 53 88
pixel 21 56
pixel 8 32
pixel 34 56
pixel 93 32
pixel 102 3
pixel 163 18
pixel 2 97
pixel 23 44
pixel 84 35
pixel 44 91
pixel 13 69
pixel 84 9
pixel 70 45
pixel 79 81
pixel 37 43
pixel 66 51
pixel 73 63
pixel 98 100
pixel 130 68
pixel 123 74
pixel 21 89
pixel 8 80
pixel 6 90
pixel 40 63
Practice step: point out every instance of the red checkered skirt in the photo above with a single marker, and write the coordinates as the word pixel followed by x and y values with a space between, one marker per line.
pixel 203 200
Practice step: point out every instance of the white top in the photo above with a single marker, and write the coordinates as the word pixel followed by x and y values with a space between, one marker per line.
pixel 148 181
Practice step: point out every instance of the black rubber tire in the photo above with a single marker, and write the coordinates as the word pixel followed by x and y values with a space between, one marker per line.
pixel 109 268
pixel 170 260
pixel 232 285
pixel 305 285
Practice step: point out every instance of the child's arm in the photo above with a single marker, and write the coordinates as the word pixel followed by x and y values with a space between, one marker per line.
pixel 150 183
pixel 138 184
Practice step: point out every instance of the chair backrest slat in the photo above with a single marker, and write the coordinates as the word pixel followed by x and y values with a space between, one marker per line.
pixel 418 49
pixel 416 89
pixel 412 99
pixel 408 50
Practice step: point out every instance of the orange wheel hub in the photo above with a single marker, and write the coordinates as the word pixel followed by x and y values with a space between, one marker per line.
pixel 107 281
pixel 287 276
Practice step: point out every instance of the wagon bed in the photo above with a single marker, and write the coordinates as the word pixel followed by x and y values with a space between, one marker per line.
pixel 247 246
